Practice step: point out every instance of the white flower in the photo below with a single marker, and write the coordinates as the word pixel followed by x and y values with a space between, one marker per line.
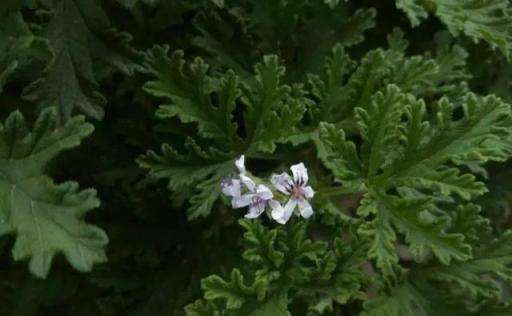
pixel 257 200
pixel 231 187
pixel 257 197
pixel 297 189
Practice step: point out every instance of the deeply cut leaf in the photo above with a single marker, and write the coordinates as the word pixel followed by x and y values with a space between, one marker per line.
pixel 481 20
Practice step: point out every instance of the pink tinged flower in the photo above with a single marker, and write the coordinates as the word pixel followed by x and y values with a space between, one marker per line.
pixel 257 200
pixel 298 191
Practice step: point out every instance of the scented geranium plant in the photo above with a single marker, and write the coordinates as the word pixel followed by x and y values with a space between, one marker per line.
pixel 259 197
pixel 255 157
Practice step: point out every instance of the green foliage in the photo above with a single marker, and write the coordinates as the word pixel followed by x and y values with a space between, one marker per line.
pixel 414 10
pixel 19 47
pixel 421 75
pixel 272 111
pixel 402 301
pixel 76 32
pixel 44 216
pixel 493 259
pixel 412 156
pixel 405 132
pixel 282 261
pixel 233 291
pixel 469 284
pixel 481 20
pixel 240 35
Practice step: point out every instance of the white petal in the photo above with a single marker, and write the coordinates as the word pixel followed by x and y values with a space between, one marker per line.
pixel 277 209
pixel 308 192
pixel 231 187
pixel 288 209
pixel 282 214
pixel 248 182
pixel 305 208
pixel 240 164
pixel 264 192
pixel 255 210
pixel 283 182
pixel 242 201
pixel 300 173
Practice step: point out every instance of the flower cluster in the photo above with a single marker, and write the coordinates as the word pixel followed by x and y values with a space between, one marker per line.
pixel 248 191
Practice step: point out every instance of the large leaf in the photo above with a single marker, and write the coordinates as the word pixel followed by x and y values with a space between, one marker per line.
pixel 407 154
pixel 46 218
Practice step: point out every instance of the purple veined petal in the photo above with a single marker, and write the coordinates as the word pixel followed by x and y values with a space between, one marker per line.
pixel 255 210
pixel 300 174
pixel 240 164
pixel 282 182
pixel 305 208
pixel 231 187
pixel 308 192
pixel 242 200
pixel 248 182
pixel 264 192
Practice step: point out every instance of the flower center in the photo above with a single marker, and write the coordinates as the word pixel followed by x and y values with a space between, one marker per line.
pixel 297 191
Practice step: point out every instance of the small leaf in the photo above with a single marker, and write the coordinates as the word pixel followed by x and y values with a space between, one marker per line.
pixel 234 292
